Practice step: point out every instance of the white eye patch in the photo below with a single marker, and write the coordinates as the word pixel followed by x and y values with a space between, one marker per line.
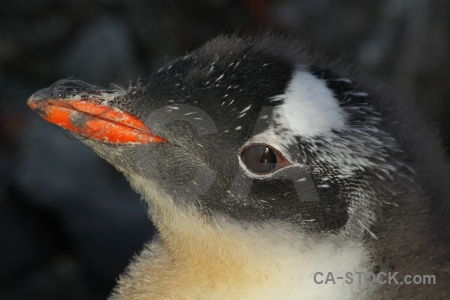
pixel 309 107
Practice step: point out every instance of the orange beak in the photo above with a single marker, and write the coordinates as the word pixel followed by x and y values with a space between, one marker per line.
pixel 94 121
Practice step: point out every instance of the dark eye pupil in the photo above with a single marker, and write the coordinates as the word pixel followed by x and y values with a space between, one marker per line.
pixel 260 159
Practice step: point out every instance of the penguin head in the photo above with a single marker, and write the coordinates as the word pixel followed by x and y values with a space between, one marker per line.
pixel 248 129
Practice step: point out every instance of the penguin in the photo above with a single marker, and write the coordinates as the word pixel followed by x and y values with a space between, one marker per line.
pixel 269 175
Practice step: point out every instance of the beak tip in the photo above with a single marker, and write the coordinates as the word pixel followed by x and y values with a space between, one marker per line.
pixel 41 94
pixel 31 100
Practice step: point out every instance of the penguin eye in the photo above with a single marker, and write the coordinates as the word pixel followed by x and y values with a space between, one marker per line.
pixel 262 159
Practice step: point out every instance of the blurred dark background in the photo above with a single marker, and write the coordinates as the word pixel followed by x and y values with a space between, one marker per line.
pixel 69 223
